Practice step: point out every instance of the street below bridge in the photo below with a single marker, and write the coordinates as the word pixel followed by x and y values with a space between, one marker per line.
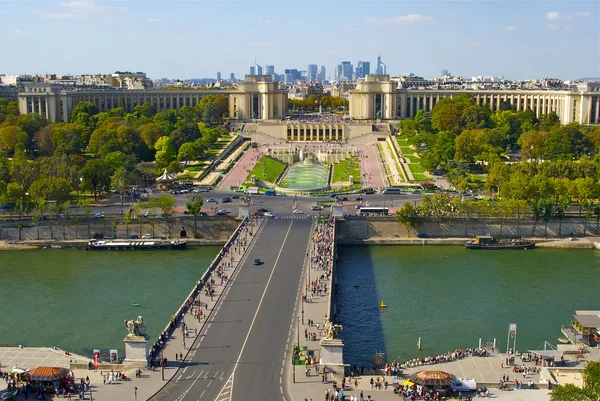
pixel 241 352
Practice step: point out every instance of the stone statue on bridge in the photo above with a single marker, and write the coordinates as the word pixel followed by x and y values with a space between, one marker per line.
pixel 331 331
pixel 136 328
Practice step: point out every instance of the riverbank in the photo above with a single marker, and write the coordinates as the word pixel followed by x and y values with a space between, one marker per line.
pixel 28 245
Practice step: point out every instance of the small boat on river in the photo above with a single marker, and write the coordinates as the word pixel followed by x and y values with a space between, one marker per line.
pixel 127 245
pixel 487 242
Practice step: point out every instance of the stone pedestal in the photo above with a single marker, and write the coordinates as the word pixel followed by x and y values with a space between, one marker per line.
pixel 332 355
pixel 136 351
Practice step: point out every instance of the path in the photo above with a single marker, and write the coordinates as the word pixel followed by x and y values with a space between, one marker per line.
pixel 217 171
pixel 372 176
pixel 395 176
pixel 242 168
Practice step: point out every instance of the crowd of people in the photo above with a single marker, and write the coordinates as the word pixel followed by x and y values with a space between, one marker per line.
pixel 448 357
pixel 322 249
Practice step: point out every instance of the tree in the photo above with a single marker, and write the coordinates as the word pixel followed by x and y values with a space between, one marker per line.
pixel 532 144
pixel 468 145
pixel 210 115
pixel 165 151
pixel 188 151
pixel 194 206
pixel 12 139
pixel 50 189
pixel 222 104
pixel 146 109
pixel 121 182
pixel 31 123
pixel 409 216
pixel 96 176
pixel 590 391
pixel 150 133
pixel 566 143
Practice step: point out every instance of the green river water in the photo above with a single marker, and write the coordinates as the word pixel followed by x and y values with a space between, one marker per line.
pixel 78 300
pixel 449 296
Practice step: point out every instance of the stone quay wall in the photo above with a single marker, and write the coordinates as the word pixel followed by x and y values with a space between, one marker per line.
pixel 212 229
pixel 355 229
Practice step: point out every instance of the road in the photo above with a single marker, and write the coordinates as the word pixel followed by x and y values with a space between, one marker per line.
pixel 242 349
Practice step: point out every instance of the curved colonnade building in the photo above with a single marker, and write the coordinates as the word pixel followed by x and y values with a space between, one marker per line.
pixel 261 106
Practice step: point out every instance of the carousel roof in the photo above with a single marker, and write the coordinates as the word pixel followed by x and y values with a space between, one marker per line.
pixel 166 177
pixel 47 374
pixel 432 378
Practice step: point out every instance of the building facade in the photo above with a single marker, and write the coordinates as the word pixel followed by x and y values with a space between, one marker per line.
pixel 257 97
pixel 379 97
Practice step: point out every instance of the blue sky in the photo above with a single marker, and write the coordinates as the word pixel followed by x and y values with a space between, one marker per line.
pixel 193 39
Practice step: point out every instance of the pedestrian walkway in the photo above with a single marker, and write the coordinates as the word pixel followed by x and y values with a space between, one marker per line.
pixel 394 175
pixel 371 174
pixel 218 170
pixel 238 174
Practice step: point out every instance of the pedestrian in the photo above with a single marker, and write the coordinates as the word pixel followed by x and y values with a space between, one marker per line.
pixel 181 356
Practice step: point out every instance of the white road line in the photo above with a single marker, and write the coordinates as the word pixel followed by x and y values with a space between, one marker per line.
pixel 202 394
pixel 261 301
pixel 208 385
pixel 178 378
pixel 186 367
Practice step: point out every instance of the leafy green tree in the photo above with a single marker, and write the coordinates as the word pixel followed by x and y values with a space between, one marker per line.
pixel 96 176
pixel 468 145
pixel 187 152
pixel 409 216
pixel 166 120
pixel 566 143
pixel 210 115
pixel 194 206
pixel 549 121
pixel 50 189
pixel 222 104
pixel 165 151
pixel 590 391
pixel 12 138
pixel 150 133
pixel 121 181
pixel 532 144
pixel 474 117
pixel 204 101
pixel 31 123
pixel 146 109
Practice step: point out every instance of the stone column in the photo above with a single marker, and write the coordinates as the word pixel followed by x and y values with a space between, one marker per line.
pixel 410 106
pixel 597 119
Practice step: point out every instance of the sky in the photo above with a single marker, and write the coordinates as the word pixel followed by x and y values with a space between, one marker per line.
pixel 197 39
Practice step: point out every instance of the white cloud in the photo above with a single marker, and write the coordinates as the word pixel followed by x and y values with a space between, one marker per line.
pixel 582 14
pixel 555 16
pixel 264 44
pixel 79 10
pixel 17 32
pixel 153 19
pixel 266 22
pixel 399 20
pixel 511 28
pixel 551 27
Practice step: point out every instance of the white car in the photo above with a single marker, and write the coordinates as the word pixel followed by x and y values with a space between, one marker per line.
pixel 298 211
pixel 147 236
pixel 464 385
pixel 270 214
pixel 149 213
pixel 99 215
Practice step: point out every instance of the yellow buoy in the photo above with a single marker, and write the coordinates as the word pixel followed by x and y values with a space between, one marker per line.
pixel 356 285
pixel 382 304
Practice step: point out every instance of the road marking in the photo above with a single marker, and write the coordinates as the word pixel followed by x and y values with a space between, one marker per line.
pixel 208 385
pixel 186 366
pixel 178 378
pixel 258 309
pixel 225 393
pixel 202 394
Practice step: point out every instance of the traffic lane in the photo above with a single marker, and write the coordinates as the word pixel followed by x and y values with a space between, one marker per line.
pixel 260 370
pixel 216 350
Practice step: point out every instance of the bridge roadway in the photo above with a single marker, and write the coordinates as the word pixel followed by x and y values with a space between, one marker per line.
pixel 240 355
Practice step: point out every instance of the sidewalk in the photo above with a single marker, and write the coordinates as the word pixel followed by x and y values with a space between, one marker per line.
pixel 151 381
pixel 238 173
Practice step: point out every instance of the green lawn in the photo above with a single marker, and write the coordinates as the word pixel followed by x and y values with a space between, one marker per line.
pixel 477 177
pixel 402 141
pixel 419 177
pixel 266 169
pixel 416 168
pixel 343 170
pixel 413 159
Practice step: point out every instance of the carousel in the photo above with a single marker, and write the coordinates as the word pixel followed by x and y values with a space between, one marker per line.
pixel 165 181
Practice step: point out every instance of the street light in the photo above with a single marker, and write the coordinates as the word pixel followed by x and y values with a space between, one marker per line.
pixel 298 331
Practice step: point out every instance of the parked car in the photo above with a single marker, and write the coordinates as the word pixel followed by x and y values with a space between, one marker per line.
pixel 297 211
pixel 359 198
pixel 316 207
pixel 186 211
pixel 202 214
pixel 226 200
pixel 343 198
pixel 262 210
pixel 149 213
pixel 257 214
pixel 134 236
pixel 99 215
pixel 423 235
pixel 235 197
pixel 464 385
pixel 223 212
pixel 147 236
pixel 211 200
pixel 332 195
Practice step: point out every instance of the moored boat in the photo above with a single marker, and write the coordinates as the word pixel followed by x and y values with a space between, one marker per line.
pixel 487 242
pixel 127 245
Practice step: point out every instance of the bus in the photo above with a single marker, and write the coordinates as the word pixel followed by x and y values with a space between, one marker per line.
pixel 391 191
pixel 371 211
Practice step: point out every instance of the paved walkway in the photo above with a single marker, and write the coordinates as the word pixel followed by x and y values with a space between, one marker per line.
pixel 371 174
pixel 217 171
pixel 394 176
pixel 238 174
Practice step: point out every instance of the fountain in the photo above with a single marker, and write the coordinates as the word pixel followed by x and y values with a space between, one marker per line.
pixel 306 175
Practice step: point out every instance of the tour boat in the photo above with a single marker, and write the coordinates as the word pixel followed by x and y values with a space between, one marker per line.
pixel 126 245
pixel 487 242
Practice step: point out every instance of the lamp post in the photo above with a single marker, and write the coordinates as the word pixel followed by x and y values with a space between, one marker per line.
pixel 303 301
pixel 162 364
pixel 298 331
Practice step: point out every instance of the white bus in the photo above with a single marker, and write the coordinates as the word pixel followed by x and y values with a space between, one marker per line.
pixel 373 211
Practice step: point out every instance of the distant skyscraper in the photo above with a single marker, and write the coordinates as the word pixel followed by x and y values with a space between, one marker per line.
pixel 253 70
pixel 321 76
pixel 311 73
pixel 344 71
pixel 445 73
pixel 381 67
pixel 269 70
pixel 363 69
pixel 232 77
pixel 259 70
pixel 218 76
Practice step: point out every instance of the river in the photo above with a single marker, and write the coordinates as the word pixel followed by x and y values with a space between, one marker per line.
pixel 78 300
pixel 451 297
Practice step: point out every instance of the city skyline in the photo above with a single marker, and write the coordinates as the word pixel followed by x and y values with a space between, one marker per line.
pixel 177 39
